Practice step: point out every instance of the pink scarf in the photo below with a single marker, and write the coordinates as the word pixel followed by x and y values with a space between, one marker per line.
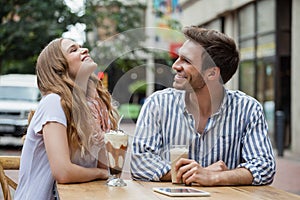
pixel 100 114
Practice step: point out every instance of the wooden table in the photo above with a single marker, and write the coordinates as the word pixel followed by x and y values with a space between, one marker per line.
pixel 143 190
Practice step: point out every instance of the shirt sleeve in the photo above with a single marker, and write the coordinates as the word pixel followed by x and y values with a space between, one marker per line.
pixel 49 110
pixel 257 150
pixel 146 161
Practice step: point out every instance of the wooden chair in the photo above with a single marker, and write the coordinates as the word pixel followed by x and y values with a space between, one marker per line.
pixel 8 163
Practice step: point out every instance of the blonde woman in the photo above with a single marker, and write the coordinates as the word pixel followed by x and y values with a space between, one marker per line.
pixel 64 140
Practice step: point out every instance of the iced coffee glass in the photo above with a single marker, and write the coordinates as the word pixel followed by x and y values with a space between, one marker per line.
pixel 116 147
pixel 177 152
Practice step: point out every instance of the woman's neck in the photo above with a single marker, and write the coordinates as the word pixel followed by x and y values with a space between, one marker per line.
pixel 82 83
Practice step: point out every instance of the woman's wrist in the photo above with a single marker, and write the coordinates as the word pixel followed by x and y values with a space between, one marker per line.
pixel 102 173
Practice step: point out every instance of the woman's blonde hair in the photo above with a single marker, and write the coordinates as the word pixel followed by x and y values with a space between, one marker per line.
pixel 53 77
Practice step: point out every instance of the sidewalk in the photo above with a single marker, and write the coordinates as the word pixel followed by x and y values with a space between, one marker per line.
pixel 288 173
pixel 288 167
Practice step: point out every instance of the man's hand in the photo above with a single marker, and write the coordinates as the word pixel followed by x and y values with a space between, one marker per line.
pixel 216 174
pixel 191 172
pixel 217 166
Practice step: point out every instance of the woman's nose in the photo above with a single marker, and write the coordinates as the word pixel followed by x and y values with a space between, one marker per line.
pixel 84 50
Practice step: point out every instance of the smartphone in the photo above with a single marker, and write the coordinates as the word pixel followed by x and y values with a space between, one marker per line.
pixel 181 192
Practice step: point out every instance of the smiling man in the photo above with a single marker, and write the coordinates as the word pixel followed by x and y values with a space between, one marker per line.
pixel 226 130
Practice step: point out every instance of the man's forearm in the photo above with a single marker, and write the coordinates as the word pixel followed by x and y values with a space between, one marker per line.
pixel 166 177
pixel 239 176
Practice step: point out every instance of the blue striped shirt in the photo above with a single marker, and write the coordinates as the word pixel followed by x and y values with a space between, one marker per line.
pixel 235 134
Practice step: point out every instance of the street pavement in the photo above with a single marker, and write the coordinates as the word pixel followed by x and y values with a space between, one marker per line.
pixel 287 175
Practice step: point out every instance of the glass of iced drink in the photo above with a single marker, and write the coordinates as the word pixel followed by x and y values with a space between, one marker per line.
pixel 116 146
pixel 177 152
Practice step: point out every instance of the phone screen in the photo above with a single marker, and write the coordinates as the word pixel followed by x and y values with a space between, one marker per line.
pixel 181 190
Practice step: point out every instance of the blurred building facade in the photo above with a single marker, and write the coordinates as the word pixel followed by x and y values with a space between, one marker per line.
pixel 267 33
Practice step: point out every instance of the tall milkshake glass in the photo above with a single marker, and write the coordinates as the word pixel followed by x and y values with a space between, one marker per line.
pixel 116 146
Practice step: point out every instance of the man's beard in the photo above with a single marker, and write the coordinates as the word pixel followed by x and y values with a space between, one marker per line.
pixel 188 87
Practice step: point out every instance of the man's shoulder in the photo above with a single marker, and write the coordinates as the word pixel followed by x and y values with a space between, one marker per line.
pixel 237 95
pixel 167 92
pixel 164 96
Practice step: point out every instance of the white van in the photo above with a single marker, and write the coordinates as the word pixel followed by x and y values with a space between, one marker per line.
pixel 19 95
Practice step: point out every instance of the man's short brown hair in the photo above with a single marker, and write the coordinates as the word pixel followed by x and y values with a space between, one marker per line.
pixel 220 50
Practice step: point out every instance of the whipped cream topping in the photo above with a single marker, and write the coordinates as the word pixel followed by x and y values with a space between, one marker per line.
pixel 117 138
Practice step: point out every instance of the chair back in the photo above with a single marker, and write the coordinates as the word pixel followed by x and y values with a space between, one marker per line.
pixel 8 163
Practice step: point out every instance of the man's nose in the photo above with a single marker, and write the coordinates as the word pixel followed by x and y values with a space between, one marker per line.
pixel 176 65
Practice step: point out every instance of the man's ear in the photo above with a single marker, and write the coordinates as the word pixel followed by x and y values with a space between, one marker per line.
pixel 213 73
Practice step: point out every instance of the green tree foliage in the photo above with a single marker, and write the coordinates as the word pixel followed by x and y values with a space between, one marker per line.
pixel 119 26
pixel 26 27
pixel 114 16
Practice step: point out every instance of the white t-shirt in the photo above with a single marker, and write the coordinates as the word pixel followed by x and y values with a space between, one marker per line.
pixel 35 178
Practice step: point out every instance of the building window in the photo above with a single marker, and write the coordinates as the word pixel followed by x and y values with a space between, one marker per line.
pixel 257 49
pixel 216 24
pixel 247 19
pixel 257 46
pixel 247 70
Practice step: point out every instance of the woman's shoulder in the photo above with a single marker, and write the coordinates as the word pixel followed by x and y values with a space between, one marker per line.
pixel 50 100
pixel 50 106
pixel 51 97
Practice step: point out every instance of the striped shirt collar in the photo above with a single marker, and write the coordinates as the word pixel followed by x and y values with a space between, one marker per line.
pixel 225 102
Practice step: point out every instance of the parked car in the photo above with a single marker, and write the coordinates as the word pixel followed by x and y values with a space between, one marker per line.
pixel 19 95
